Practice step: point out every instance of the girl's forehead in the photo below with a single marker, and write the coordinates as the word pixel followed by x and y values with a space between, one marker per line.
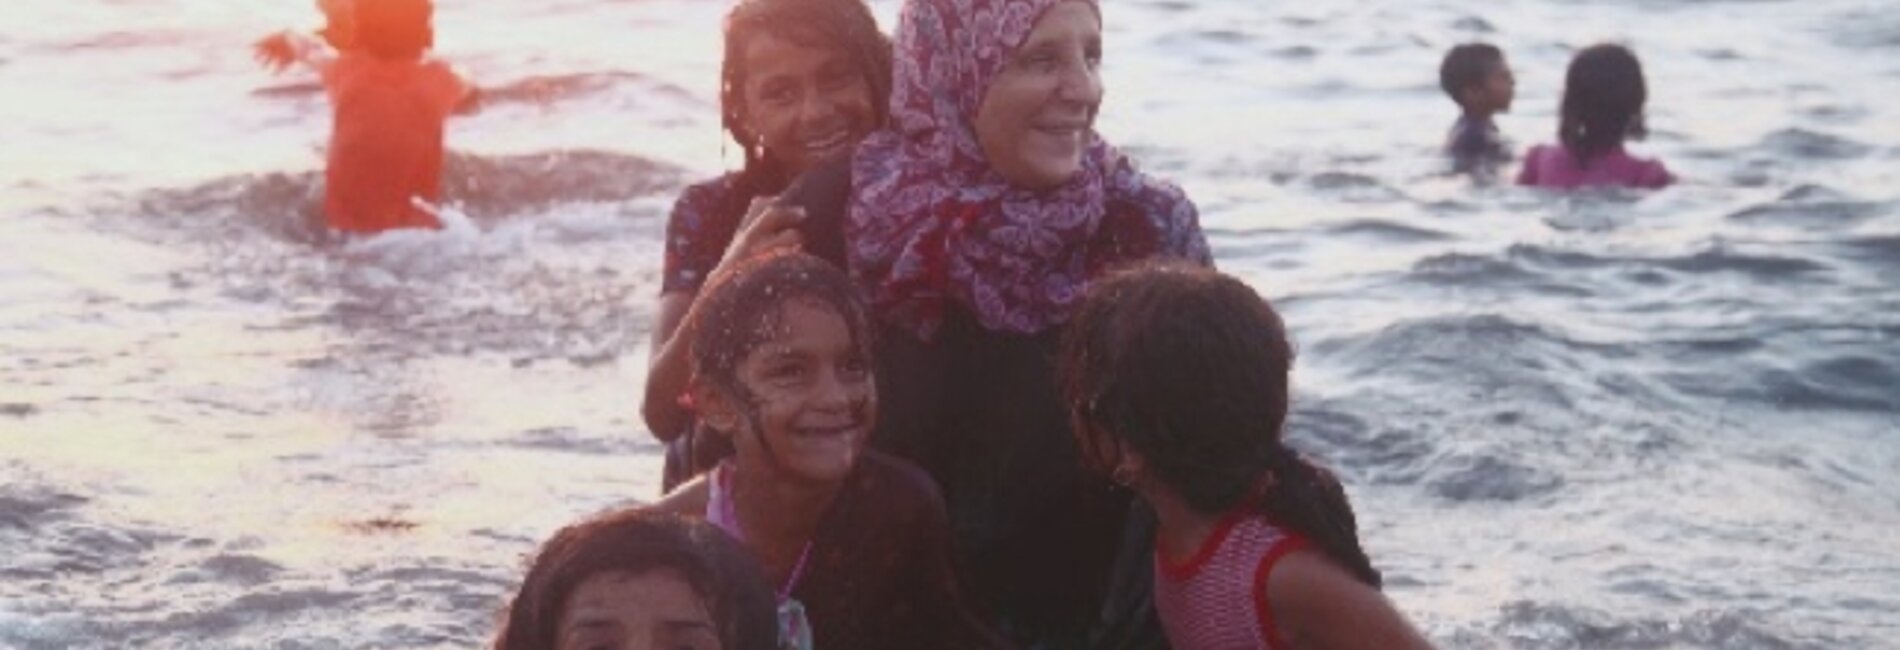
pixel 800 321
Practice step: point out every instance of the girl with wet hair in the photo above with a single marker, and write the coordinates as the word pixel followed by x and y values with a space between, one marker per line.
pixel 640 579
pixel 1604 93
pixel 802 81
pixel 857 543
pixel 1177 381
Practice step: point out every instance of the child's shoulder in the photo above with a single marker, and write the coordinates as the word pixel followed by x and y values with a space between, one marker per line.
pixel 687 500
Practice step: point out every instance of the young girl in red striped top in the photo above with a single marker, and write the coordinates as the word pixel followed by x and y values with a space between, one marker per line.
pixel 1177 383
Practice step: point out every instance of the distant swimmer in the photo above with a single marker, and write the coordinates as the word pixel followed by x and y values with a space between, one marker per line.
pixel 390 102
pixel 1604 93
pixel 1477 78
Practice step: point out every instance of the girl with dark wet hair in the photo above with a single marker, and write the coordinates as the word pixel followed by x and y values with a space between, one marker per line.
pixel 856 542
pixel 640 579
pixel 1604 94
pixel 801 81
pixel 1176 378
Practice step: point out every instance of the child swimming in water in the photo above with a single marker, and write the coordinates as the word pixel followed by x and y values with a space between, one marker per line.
pixel 857 542
pixel 390 103
pixel 1177 382
pixel 1604 93
pixel 1477 78
pixel 640 579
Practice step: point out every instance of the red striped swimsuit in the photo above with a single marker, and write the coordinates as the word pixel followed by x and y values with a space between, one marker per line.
pixel 1217 599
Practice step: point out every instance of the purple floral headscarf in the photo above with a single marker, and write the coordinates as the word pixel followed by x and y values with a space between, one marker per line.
pixel 931 222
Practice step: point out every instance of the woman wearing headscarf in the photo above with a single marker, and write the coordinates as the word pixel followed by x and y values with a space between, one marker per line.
pixel 976 219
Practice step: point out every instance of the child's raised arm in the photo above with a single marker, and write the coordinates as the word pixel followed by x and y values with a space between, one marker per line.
pixel 278 52
pixel 283 49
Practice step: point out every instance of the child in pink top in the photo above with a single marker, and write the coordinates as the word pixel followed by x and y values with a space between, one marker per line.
pixel 1177 384
pixel 391 102
pixel 1603 101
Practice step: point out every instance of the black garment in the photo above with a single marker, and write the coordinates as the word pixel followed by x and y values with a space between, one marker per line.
pixel 1475 143
pixel 1041 537
pixel 881 573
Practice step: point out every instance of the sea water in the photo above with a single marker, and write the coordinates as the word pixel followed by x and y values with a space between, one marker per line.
pixel 1602 420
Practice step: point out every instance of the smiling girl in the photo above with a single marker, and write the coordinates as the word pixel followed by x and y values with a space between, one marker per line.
pixel 802 81
pixel 856 542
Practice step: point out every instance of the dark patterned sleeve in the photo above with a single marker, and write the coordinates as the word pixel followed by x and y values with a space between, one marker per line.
pixel 697 233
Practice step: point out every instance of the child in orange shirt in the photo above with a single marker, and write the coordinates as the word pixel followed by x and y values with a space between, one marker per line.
pixel 390 100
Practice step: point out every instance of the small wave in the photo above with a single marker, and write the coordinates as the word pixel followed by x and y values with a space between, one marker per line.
pixel 27 508
pixel 1355 188
pixel 1878 249
pixel 568 439
pixel 1722 260
pixel 1464 268
pixel 1443 338
pixel 1876 29
pixel 126 41
pixel 1811 193
pixel 489 187
pixel 1230 244
pixel 231 568
pixel 549 89
pixel 1715 259
pixel 1812 145
pixel 1488 478
pixel 1224 36
pixel 1386 231
pixel 1347 441
pixel 1295 53
pixel 288 206
pixel 1849 383
pixel 290 90
pixel 65 548
pixel 1490 358
pixel 1810 213
pixel 1474 24
pixel 1836 113
pixel 1532 625
pixel 30 630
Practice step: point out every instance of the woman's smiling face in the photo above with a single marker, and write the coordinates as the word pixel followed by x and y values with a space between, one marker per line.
pixel 1037 117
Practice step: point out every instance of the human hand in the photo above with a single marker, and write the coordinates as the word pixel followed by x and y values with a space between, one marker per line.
pixel 275 52
pixel 767 226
